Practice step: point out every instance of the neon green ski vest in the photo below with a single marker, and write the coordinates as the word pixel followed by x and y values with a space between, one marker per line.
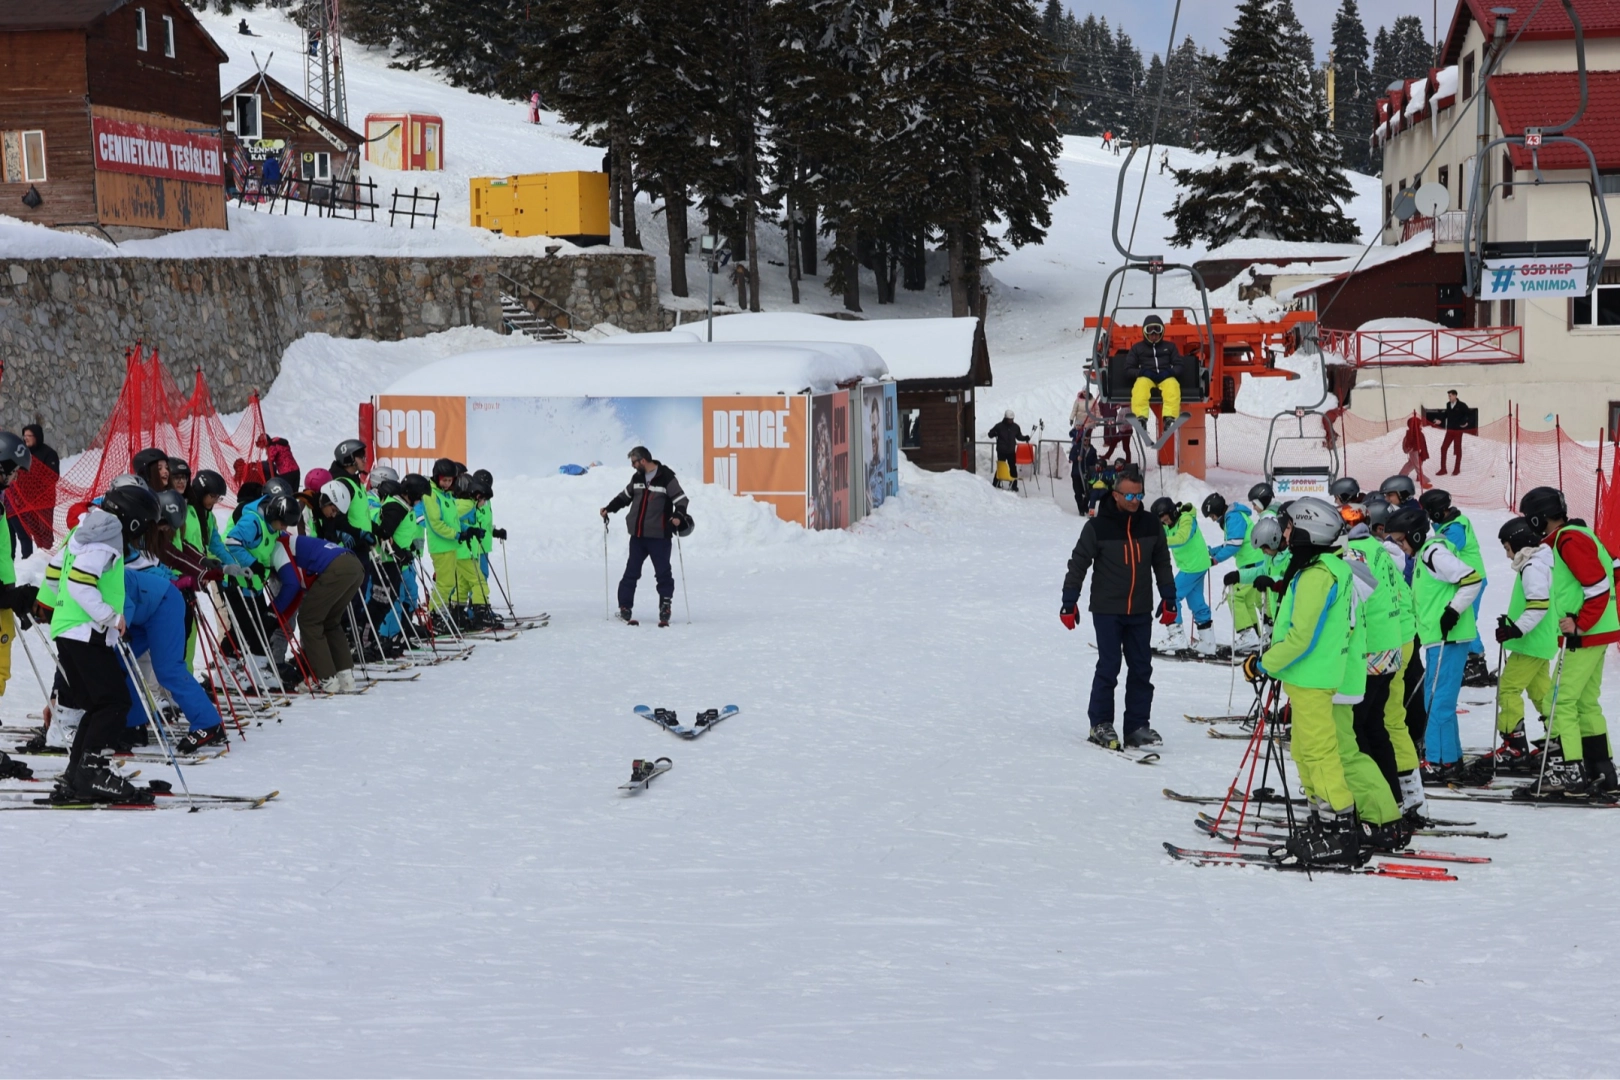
pixel 1567 594
pixel 409 530
pixel 1542 642
pixel 1432 596
pixel 443 523
pixel 1382 612
pixel 1321 665
pixel 484 519
pixel 69 613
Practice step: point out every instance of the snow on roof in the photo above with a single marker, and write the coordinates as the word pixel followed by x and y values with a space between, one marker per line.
pixel 1420 94
pixel 1377 256
pixel 1279 251
pixel 1445 85
pixel 618 369
pixel 911 348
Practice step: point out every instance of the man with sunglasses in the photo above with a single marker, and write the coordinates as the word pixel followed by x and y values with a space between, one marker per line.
pixel 1153 362
pixel 1128 551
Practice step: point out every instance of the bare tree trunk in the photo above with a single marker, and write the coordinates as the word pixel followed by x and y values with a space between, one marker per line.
pixel 847 239
pixel 972 234
pixel 915 261
pixel 615 168
pixel 753 255
pixel 631 228
pixel 675 225
pixel 959 297
pixel 807 241
pixel 792 227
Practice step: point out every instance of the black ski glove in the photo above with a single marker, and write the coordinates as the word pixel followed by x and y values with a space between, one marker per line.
pixel 1264 583
pixel 1252 671
pixel 1231 579
pixel 22 600
pixel 1448 621
pixel 463 536
pixel 1507 629
pixel 474 533
pixel 499 534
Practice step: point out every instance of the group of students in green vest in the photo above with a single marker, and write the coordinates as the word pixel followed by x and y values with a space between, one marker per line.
pixel 1372 605
pixel 120 594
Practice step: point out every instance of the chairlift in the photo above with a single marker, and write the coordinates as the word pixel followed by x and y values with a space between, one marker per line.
pixel 1594 251
pixel 1105 369
pixel 1313 478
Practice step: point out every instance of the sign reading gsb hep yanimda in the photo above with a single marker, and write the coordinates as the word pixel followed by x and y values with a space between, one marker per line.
pixel 1506 279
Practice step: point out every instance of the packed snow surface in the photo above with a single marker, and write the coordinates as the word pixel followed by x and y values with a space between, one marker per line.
pixel 664 369
pixel 911 348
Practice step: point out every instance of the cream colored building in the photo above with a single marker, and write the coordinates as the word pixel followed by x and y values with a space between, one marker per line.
pixel 1571 347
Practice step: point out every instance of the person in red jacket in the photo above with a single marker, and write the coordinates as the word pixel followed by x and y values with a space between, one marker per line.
pixel 279 460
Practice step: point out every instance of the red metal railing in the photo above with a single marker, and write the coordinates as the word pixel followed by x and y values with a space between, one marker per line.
pixel 1427 347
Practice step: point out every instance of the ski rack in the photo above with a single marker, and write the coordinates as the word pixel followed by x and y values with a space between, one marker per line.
pixel 1476 251
pixel 1153 266
pixel 1272 439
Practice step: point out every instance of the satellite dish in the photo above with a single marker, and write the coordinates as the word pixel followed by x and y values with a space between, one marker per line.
pixel 1405 205
pixel 1432 199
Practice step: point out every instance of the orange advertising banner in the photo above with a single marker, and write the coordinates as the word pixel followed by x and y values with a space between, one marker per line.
pixel 757 446
pixel 413 431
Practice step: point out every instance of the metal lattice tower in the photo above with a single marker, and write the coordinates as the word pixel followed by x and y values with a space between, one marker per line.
pixel 323 58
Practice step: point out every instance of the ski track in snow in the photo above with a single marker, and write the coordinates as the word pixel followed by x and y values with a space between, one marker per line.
pixel 901 859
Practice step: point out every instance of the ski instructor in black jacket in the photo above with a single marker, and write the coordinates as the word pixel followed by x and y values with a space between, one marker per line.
pixel 657 513
pixel 1128 552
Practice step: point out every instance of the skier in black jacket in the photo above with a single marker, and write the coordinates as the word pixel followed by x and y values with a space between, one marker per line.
pixel 657 512
pixel 1130 556
pixel 1008 435
pixel 1153 362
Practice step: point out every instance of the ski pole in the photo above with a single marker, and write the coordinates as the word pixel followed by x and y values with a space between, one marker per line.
pixel 687 599
pixel 1552 717
pixel 147 706
pixel 1496 717
pixel 23 638
pixel 607 606
pixel 506 572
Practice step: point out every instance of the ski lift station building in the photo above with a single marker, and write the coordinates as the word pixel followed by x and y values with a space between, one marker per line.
pixel 808 427
pixel 1550 352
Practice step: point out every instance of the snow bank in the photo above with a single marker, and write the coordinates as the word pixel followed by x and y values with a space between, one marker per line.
pixel 614 369
pixel 1279 251
pixel 912 348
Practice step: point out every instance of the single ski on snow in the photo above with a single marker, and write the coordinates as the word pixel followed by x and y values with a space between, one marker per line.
pixel 643 772
pixel 1200 857
pixel 1259 839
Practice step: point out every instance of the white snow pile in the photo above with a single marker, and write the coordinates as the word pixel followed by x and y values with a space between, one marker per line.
pixel 669 369
pixel 911 348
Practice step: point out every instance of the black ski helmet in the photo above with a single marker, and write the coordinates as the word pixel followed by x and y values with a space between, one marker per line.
pixel 1261 495
pixel 481 489
pixel 141 464
pixel 14 453
pixel 487 479
pixel 1398 485
pixel 1518 534
pixel 179 467
pixel 209 482
pixel 1345 489
pixel 686 526
pixel 1377 510
pixel 1410 522
pixel 1540 505
pixel 283 508
pixel 464 487
pixel 416 486
pixel 387 489
pixel 1436 502
pixel 1214 506
pixel 348 450
pixel 1163 506
pixel 172 509
pixel 277 485
pixel 133 505
pixel 444 467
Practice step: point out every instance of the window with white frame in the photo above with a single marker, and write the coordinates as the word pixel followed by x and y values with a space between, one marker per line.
pixel 22 157
pixel 168 35
pixel 246 110
pixel 140 29
pixel 1602 308
pixel 315 165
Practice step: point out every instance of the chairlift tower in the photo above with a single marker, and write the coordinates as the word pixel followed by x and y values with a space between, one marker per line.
pixel 323 59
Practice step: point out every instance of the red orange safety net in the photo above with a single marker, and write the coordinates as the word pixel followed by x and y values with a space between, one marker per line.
pixel 150 412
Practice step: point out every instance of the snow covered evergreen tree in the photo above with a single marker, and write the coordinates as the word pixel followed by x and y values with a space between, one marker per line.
pixel 1353 90
pixel 1277 173
pixel 1400 52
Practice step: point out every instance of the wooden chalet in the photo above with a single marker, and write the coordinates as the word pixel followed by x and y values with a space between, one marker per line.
pixel 109 116
pixel 935 399
pixel 274 138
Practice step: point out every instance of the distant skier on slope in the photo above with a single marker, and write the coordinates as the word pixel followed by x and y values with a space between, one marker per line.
pixel 657 513
pixel 1120 543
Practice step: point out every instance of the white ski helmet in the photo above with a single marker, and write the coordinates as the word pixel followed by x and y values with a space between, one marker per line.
pixel 379 474
pixel 1267 535
pixel 1320 522
pixel 338 494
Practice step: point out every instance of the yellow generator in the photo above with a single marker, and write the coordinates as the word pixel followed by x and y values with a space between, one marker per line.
pixel 570 206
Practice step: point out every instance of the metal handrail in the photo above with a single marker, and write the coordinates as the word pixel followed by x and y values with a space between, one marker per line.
pixel 518 288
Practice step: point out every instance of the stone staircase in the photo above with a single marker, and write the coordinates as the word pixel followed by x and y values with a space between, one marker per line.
pixel 518 319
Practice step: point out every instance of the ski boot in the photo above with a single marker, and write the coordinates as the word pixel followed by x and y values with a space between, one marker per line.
pixel 1391 836
pixel 667 717
pixel 1562 779
pixel 394 647
pixel 1141 737
pixel 664 603
pixel 345 681
pixel 1476 673
pixel 1104 736
pixel 12 769
pixel 488 619
pixel 1602 785
pixel 1246 642
pixel 1331 841
pixel 1414 806
pixel 212 736
pixel 626 617
pixel 37 744
pixel 1204 643
pixel 1438 775
pixel 1514 757
pixel 91 781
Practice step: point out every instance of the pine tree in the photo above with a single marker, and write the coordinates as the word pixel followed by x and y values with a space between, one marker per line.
pixel 1401 52
pixel 1353 88
pixel 1278 171
pixel 1299 42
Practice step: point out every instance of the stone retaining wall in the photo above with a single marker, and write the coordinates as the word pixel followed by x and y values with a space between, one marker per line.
pixel 66 323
